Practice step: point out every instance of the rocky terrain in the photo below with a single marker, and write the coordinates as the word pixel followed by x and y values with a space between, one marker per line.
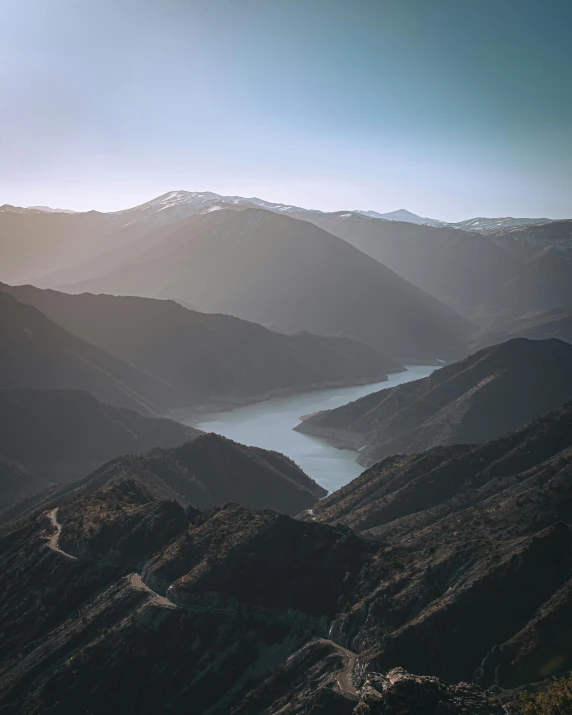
pixel 476 557
pixel 447 566
pixel 476 399
pixel 207 471
pixel 241 590
pixel 206 357
pixel 62 435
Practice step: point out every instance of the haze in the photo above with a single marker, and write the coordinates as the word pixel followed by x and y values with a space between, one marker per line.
pixel 449 109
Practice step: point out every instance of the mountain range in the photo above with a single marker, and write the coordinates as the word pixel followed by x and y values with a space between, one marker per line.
pixel 460 550
pixel 147 566
pixel 203 358
pixel 274 269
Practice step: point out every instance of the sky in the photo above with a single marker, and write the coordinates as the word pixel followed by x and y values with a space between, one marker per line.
pixel 449 108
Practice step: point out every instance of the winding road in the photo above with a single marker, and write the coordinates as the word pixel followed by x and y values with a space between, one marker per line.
pixel 343 677
pixel 137 582
pixel 54 539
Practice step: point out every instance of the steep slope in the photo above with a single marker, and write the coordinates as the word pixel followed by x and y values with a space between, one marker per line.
pixel 476 399
pixel 457 267
pixel 207 471
pixel 474 579
pixel 33 242
pixel 542 283
pixel 402 215
pixel 538 325
pixel 552 236
pixel 273 269
pixel 208 357
pixel 16 483
pixel 62 435
pixel 225 620
pixel 490 225
pixel 37 353
pixel 461 570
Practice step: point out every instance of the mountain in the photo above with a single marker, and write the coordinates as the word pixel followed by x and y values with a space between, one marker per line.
pixel 554 237
pixel 34 242
pixel 487 225
pixel 457 569
pixel 206 471
pixel 477 557
pixel 62 435
pixel 537 325
pixel 457 267
pixel 48 209
pixel 37 353
pixel 16 483
pixel 544 281
pixel 273 269
pixel 477 399
pixel 520 269
pixel 208 358
pixel 402 215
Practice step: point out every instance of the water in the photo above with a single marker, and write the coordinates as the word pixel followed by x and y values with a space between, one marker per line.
pixel 269 425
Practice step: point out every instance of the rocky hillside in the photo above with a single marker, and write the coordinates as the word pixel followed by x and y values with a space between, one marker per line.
pixel 208 357
pixel 273 269
pixel 62 435
pixel 241 589
pixel 207 471
pixel 456 567
pixel 474 572
pixel 37 353
pixel 476 399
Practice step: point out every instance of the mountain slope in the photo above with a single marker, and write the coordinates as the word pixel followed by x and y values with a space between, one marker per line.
pixel 457 267
pixel 16 483
pixel 208 357
pixel 543 282
pixel 487 225
pixel 477 399
pixel 273 269
pixel 402 215
pixel 37 353
pixel 34 242
pixel 62 435
pixel 460 571
pixel 538 325
pixel 477 550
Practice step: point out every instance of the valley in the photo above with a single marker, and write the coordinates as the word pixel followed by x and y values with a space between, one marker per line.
pixel 270 425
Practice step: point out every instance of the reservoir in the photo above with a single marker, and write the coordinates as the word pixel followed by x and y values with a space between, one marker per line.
pixel 270 425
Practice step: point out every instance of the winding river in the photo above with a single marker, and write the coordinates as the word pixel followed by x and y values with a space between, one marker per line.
pixel 269 425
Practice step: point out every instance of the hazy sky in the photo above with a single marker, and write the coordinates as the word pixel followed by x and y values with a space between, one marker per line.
pixel 450 108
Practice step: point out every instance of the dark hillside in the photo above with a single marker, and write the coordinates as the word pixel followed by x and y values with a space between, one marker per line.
pixel 476 399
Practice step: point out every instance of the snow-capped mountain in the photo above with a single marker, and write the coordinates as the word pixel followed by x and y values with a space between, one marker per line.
pixel 177 205
pixel 485 225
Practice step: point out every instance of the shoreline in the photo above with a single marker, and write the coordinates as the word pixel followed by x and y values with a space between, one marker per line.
pixel 201 410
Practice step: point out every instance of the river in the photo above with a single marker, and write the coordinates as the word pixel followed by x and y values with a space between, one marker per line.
pixel 269 425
